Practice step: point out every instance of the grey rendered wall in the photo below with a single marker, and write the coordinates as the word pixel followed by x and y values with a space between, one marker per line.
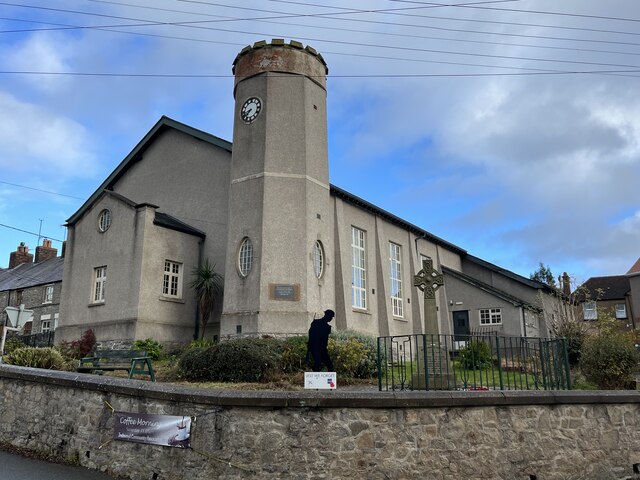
pixel 120 249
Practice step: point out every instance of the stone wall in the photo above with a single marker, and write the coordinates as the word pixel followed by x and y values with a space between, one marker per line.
pixel 332 435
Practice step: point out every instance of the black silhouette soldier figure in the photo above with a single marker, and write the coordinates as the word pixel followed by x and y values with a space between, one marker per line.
pixel 318 340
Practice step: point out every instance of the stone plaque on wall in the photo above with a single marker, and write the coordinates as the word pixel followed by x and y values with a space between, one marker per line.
pixel 279 291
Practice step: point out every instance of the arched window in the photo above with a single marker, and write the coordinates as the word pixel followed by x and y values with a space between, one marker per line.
pixel 318 259
pixel 245 257
pixel 104 220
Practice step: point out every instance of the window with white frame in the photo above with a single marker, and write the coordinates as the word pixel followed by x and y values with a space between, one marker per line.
pixel 590 311
pixel 172 279
pixel 621 311
pixel 395 268
pixel 245 257
pixel 318 259
pixel 104 220
pixel 358 269
pixel 48 294
pixel 45 323
pixel 490 316
pixel 99 284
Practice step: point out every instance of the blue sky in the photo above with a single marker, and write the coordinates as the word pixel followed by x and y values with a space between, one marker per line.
pixel 509 128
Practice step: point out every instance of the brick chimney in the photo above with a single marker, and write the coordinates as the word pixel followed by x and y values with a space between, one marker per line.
pixel 20 256
pixel 45 252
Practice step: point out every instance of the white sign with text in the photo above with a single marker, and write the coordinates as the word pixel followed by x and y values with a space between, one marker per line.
pixel 320 380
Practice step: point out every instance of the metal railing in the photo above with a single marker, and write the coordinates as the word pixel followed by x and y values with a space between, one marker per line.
pixel 472 362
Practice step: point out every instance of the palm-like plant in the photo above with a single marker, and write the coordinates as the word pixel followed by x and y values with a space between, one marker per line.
pixel 207 286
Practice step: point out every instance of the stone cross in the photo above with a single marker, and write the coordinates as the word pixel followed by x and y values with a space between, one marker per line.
pixel 428 280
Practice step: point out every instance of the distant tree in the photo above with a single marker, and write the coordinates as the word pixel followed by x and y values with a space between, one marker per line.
pixel 543 274
pixel 208 286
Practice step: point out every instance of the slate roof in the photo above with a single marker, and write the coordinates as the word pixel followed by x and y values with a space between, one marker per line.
pixel 167 221
pixel 513 276
pixel 614 287
pixel 32 274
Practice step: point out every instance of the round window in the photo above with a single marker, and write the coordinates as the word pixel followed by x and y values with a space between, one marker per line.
pixel 104 220
pixel 245 256
pixel 318 259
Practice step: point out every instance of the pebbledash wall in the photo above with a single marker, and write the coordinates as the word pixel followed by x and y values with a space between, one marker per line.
pixel 332 435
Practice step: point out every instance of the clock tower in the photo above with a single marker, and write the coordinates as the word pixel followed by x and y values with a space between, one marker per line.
pixel 279 270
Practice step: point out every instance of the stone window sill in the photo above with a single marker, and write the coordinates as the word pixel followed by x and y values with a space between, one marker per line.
pixel 171 299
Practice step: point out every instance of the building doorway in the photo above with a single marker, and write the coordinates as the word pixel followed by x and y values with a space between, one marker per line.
pixel 461 325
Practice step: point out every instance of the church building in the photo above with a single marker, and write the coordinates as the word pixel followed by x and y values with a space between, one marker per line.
pixel 288 243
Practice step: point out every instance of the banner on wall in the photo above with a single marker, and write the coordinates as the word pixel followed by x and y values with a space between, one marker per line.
pixel 165 430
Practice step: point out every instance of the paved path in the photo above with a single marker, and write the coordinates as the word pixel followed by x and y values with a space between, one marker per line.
pixel 17 467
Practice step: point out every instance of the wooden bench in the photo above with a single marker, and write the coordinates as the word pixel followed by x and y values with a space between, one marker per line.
pixel 134 362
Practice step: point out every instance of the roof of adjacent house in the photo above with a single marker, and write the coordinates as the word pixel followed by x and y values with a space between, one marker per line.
pixel 507 273
pixel 32 274
pixel 613 287
pixel 635 269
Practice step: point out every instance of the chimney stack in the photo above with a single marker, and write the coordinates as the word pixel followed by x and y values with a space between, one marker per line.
pixel 46 251
pixel 20 256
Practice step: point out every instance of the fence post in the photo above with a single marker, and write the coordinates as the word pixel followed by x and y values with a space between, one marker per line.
pixel 379 367
pixel 566 363
pixel 499 361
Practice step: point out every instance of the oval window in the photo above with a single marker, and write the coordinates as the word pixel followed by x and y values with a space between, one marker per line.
pixel 318 259
pixel 104 220
pixel 245 257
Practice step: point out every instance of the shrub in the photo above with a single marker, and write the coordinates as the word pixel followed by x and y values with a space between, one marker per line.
pixel 201 343
pixel 13 344
pixel 475 355
pixel 609 360
pixel 79 348
pixel 245 359
pixel 294 354
pixel 194 363
pixel 574 335
pixel 353 355
pixel 152 347
pixel 35 357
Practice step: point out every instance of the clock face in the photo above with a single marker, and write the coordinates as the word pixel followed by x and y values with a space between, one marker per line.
pixel 250 110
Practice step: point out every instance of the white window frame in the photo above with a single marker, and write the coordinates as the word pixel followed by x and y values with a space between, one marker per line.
pixel 621 311
pixel 318 259
pixel 490 316
pixel 358 268
pixel 99 284
pixel 45 323
pixel 590 310
pixel 172 279
pixel 395 273
pixel 245 257
pixel 48 294
pixel 104 220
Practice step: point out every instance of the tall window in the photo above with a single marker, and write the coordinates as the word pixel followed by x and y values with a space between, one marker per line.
pixel 48 294
pixel 172 281
pixel 99 284
pixel 590 311
pixel 318 259
pixel 490 316
pixel 621 311
pixel 395 267
pixel 245 257
pixel 45 323
pixel 358 269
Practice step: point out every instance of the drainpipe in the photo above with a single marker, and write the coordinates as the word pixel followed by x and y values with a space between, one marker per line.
pixel 196 332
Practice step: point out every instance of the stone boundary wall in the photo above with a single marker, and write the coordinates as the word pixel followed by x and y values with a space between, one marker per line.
pixel 338 434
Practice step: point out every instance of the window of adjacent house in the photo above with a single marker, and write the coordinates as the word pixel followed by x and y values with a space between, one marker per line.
pixel 590 311
pixel 172 280
pixel 621 310
pixel 318 259
pixel 19 295
pixel 245 257
pixel 48 294
pixel 358 269
pixel 45 323
pixel 490 316
pixel 99 284
pixel 395 267
pixel 104 220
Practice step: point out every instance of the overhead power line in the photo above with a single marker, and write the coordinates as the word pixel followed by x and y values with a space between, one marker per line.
pixel 40 190
pixel 30 233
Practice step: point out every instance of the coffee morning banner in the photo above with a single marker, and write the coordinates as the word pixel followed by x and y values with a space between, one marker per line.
pixel 165 430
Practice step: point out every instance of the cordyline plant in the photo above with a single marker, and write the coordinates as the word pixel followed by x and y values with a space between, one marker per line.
pixel 208 286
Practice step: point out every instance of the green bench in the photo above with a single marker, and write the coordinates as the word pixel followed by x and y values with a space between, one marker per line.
pixel 134 362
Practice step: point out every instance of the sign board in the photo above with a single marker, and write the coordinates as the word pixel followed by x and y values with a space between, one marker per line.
pixel 278 291
pixel 165 430
pixel 320 380
pixel 18 316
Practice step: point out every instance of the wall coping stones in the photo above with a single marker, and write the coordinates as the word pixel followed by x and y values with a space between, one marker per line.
pixel 315 399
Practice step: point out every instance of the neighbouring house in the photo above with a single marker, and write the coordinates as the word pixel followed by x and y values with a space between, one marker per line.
pixel 288 243
pixel 610 295
pixel 35 283
pixel 634 285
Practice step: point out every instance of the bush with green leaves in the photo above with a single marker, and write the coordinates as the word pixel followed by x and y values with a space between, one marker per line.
pixel 194 363
pixel 246 359
pixel 81 348
pixel 201 343
pixel 609 360
pixel 13 344
pixel 151 346
pixel 36 357
pixel 354 355
pixel 294 354
pixel 475 355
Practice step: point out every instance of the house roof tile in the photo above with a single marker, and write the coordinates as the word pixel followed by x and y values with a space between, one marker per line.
pixel 32 274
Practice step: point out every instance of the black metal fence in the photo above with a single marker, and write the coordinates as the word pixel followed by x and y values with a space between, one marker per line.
pixel 472 362
pixel 45 339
